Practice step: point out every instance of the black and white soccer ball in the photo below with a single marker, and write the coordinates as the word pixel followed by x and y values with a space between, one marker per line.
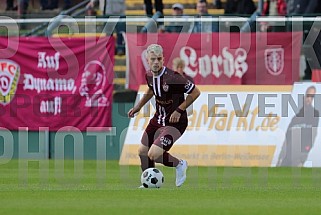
pixel 152 178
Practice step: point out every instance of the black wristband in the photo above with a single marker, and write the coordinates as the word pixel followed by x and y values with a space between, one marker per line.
pixel 180 110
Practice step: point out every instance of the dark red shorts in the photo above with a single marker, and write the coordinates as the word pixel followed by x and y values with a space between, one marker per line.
pixel 163 136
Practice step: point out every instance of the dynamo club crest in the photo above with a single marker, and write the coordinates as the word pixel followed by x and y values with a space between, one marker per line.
pixel 274 60
pixel 9 76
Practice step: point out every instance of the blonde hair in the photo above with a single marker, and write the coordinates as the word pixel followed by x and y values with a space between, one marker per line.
pixel 155 48
pixel 178 62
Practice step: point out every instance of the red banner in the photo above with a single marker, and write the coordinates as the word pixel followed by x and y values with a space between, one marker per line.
pixel 221 58
pixel 56 82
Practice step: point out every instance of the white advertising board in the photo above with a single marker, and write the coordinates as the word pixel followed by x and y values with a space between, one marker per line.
pixel 242 125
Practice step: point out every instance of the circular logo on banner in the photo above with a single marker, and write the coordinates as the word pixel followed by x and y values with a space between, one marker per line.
pixel 9 77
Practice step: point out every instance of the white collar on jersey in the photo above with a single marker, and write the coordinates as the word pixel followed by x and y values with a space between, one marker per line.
pixel 160 74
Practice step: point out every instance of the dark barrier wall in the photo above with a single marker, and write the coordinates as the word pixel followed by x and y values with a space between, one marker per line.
pixel 69 145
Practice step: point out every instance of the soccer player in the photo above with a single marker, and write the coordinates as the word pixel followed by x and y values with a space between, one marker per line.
pixel 170 119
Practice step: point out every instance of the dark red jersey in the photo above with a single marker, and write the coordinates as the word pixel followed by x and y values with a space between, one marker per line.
pixel 169 88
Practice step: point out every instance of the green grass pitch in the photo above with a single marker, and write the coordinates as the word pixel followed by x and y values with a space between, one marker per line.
pixel 90 187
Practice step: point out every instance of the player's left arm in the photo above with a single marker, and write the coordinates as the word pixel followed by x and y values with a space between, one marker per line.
pixel 182 107
pixel 190 99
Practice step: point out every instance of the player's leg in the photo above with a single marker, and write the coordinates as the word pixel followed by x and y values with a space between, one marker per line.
pixel 163 141
pixel 145 161
pixel 146 142
pixel 159 155
pixel 165 138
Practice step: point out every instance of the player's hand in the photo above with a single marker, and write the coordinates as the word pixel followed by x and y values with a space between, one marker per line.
pixel 132 111
pixel 175 117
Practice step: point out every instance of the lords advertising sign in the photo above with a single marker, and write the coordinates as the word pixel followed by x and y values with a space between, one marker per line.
pixel 221 58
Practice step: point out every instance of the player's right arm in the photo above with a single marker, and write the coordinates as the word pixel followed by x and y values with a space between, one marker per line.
pixel 146 97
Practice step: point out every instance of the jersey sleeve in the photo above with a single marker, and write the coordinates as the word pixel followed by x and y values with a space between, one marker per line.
pixel 184 85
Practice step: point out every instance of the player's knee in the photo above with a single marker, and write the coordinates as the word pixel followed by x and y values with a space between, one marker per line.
pixel 142 150
pixel 154 155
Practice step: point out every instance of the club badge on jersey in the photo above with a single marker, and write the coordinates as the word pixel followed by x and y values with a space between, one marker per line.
pixel 165 87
